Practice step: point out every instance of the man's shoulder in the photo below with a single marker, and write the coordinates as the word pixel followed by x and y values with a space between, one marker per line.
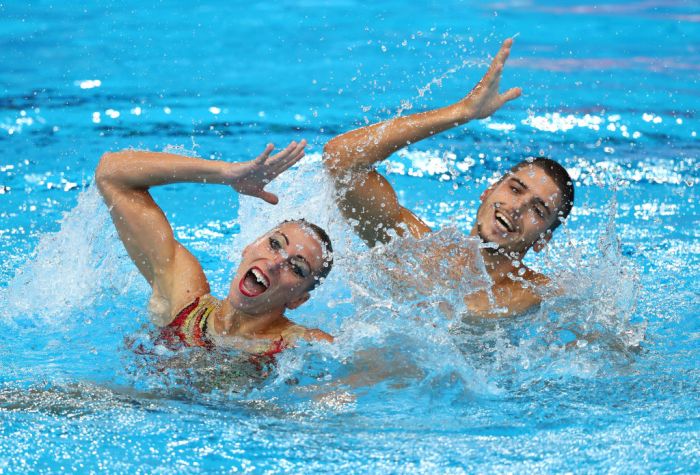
pixel 524 292
pixel 536 278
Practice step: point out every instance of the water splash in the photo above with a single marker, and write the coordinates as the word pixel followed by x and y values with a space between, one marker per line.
pixel 397 310
pixel 408 318
pixel 72 268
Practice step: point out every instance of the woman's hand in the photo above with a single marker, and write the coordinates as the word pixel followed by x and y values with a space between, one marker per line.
pixel 251 178
pixel 484 99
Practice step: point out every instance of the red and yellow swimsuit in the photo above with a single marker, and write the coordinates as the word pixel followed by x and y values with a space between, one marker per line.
pixel 190 328
pixel 190 325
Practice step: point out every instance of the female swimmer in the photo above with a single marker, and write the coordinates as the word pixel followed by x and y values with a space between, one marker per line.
pixel 276 272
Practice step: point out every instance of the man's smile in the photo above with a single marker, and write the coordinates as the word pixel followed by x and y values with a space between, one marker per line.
pixel 504 222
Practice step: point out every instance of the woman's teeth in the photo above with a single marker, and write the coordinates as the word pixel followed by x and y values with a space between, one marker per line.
pixel 260 277
pixel 254 283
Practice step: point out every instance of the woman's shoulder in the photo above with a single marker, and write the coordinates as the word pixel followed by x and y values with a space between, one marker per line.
pixel 164 312
pixel 295 332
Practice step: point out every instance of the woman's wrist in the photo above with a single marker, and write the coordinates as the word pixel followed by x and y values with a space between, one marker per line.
pixel 229 173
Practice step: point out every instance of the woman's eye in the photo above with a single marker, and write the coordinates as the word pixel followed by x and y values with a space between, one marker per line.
pixel 275 244
pixel 539 212
pixel 297 268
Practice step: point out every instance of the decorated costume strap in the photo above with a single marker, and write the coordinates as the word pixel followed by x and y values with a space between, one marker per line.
pixel 190 325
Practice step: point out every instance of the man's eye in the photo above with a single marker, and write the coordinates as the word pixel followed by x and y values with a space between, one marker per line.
pixel 298 271
pixel 515 190
pixel 539 212
pixel 275 244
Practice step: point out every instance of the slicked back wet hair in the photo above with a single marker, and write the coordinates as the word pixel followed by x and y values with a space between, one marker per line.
pixel 560 177
pixel 322 235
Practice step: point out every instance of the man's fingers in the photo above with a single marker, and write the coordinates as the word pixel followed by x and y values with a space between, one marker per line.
pixel 511 94
pixel 500 58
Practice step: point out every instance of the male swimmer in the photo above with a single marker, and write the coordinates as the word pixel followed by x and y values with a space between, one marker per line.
pixel 517 213
pixel 276 272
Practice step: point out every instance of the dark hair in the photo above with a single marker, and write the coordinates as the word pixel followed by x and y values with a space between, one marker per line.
pixel 328 248
pixel 561 178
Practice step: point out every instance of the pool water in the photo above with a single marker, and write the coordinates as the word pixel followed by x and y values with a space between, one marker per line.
pixel 610 90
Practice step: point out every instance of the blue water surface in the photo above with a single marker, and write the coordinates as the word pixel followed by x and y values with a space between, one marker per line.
pixel 610 90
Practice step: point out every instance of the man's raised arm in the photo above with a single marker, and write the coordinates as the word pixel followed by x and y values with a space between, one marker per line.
pixel 364 196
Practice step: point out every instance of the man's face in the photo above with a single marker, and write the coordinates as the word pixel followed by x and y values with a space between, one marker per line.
pixel 277 269
pixel 518 211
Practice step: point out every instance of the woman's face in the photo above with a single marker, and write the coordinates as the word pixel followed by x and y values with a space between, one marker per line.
pixel 277 270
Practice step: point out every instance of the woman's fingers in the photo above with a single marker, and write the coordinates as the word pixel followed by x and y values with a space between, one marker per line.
pixel 496 68
pixel 296 155
pixel 300 147
pixel 284 153
pixel 503 53
pixel 291 158
pixel 266 153
pixel 269 197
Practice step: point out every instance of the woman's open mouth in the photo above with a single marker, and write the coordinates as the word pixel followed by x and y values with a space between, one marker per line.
pixel 254 283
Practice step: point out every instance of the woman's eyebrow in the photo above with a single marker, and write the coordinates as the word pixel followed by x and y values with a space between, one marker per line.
pixel 284 236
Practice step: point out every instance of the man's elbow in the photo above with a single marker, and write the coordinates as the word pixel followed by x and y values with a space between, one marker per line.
pixel 105 170
pixel 102 171
pixel 333 157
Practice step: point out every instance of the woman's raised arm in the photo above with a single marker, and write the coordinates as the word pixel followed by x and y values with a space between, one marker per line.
pixel 124 178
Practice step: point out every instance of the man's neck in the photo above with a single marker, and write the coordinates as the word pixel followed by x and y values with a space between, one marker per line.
pixel 498 262
pixel 500 265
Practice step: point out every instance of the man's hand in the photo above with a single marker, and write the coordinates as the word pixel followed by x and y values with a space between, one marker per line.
pixel 484 99
pixel 251 178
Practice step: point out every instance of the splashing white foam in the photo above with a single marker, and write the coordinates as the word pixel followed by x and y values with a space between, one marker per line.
pixel 401 303
pixel 70 268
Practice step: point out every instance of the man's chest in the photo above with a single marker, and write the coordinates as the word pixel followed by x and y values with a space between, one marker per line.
pixel 501 300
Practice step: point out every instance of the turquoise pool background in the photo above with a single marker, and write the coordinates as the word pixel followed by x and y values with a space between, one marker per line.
pixel 611 90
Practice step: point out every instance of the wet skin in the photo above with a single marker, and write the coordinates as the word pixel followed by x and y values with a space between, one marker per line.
pixel 286 261
pixel 517 212
pixel 174 273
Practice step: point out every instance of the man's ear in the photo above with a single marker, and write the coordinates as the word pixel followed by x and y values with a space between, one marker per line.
pixel 298 301
pixel 541 243
pixel 485 194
